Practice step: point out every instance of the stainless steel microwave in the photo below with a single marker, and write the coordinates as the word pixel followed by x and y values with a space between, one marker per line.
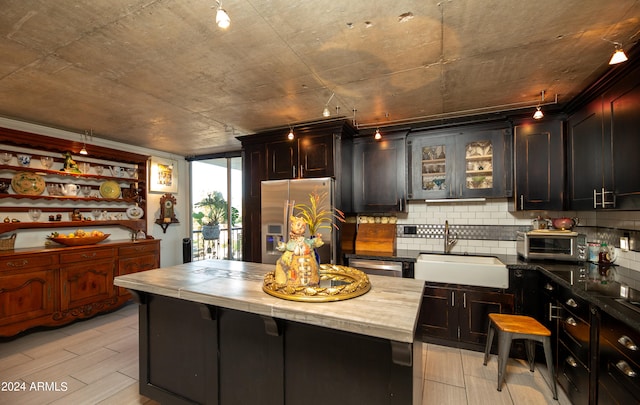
pixel 554 245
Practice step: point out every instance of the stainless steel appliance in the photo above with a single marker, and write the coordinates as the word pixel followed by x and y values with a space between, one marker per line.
pixel 276 194
pixel 378 267
pixel 550 244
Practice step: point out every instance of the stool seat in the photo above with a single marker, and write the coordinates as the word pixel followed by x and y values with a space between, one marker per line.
pixel 519 324
pixel 511 327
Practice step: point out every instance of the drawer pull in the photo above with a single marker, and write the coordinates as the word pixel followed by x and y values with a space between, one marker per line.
pixel 572 303
pixel 627 343
pixel 19 263
pixel 551 316
pixel 572 362
pixel 548 287
pixel 91 256
pixel 625 368
pixel 571 321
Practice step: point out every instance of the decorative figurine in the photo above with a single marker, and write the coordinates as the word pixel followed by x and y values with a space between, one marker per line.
pixel 70 165
pixel 298 267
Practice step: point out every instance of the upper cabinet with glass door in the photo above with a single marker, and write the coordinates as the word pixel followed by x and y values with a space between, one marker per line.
pixel 468 163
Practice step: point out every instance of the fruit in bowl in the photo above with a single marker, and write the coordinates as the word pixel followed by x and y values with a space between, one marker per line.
pixel 78 237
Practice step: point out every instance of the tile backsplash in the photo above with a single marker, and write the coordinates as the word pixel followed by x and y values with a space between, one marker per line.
pixel 489 227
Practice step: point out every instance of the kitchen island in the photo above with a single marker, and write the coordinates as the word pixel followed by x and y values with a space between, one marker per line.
pixel 209 334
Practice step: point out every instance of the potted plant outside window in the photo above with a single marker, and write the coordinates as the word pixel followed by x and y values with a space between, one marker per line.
pixel 214 210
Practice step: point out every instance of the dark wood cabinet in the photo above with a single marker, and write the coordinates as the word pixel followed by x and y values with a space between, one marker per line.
pixel 379 174
pixel 305 156
pixel 55 286
pixel 465 162
pixel 459 314
pixel 603 140
pixel 539 166
pixel 589 176
pixel 619 363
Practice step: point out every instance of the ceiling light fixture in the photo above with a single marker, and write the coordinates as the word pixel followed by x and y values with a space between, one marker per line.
pixel 377 136
pixel 618 55
pixel 539 114
pixel 326 112
pixel 222 18
pixel 84 137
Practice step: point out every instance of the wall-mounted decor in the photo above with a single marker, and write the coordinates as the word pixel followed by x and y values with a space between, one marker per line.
pixel 163 175
pixel 167 212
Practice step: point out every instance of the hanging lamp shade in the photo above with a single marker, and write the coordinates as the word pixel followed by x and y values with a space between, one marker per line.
pixel 618 57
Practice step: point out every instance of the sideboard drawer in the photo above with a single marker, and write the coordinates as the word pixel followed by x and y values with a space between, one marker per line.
pixel 87 254
pixel 28 262
pixel 136 249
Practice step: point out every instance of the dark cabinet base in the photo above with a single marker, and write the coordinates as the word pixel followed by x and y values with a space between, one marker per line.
pixel 194 353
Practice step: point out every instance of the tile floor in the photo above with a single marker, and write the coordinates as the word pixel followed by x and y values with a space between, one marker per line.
pixel 96 362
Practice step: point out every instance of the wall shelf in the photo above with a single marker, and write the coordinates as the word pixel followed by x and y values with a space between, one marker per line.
pixel 132 224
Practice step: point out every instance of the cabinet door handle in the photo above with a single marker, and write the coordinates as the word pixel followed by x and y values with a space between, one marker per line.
pixel 571 361
pixel 302 170
pixel 293 169
pixel 453 298
pixel 627 343
pixel 572 303
pixel 521 201
pixel 626 368
pixel 464 300
pixel 595 198
pixel 571 321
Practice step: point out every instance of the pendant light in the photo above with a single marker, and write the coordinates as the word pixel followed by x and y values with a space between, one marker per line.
pixel 618 55
pixel 539 114
pixel 377 136
pixel 83 151
pixel 326 112
pixel 291 135
pixel 222 18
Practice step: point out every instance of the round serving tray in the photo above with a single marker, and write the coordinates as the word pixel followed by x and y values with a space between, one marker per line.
pixel 336 283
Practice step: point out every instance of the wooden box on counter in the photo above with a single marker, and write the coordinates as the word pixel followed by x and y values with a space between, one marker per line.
pixel 376 238
pixel 55 286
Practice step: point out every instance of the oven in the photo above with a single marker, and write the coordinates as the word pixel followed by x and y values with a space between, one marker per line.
pixel 380 267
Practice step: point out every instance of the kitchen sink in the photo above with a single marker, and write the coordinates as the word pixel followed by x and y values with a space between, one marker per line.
pixel 481 271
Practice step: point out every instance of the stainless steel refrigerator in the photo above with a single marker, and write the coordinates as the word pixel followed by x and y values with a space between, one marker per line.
pixel 276 194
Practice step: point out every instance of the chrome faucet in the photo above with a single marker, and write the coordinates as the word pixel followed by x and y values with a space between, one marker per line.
pixel 449 240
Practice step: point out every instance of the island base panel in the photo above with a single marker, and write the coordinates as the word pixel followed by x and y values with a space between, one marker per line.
pixel 193 353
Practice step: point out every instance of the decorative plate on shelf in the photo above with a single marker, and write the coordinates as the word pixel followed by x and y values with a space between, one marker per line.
pixel 28 183
pixel 110 189
pixel 135 212
pixel 87 240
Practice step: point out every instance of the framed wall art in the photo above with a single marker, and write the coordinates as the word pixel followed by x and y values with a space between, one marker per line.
pixel 163 175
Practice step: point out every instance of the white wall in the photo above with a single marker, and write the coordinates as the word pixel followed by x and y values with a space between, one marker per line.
pixel 171 241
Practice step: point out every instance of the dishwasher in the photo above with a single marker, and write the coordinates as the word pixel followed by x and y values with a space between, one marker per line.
pixel 378 267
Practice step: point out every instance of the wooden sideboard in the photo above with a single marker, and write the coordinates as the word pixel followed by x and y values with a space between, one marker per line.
pixel 58 285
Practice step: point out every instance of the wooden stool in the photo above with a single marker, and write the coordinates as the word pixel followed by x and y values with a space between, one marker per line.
pixel 511 327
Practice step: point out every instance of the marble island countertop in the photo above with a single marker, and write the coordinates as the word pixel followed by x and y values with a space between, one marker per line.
pixel 389 310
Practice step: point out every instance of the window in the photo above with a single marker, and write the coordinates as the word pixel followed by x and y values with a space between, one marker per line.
pixel 216 196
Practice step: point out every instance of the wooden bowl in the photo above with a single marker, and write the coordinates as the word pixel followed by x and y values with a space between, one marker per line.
pixel 87 240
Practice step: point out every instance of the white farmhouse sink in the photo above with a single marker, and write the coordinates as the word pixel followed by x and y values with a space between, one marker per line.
pixel 481 271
